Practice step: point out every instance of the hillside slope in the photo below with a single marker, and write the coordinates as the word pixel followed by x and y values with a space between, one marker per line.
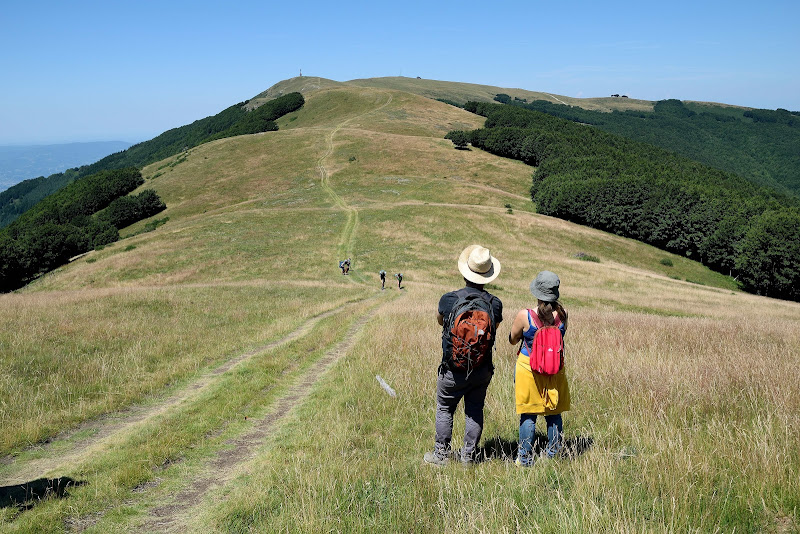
pixel 458 92
pixel 219 372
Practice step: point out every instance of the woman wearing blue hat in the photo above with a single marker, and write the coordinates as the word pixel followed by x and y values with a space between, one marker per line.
pixel 537 393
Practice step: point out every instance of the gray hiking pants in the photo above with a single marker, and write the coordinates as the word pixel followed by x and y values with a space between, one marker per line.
pixel 450 388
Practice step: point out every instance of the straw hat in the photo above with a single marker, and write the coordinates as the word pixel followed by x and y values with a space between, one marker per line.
pixel 478 265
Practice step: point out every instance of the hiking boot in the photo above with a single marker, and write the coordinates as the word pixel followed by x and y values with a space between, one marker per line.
pixel 434 459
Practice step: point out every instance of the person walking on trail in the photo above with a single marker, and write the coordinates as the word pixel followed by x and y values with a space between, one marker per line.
pixel 469 319
pixel 544 391
pixel 399 277
pixel 383 279
pixel 345 266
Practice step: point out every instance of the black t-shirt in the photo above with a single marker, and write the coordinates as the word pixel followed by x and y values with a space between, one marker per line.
pixel 449 300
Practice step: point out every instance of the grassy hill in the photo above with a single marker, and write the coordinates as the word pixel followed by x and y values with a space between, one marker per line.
pixel 458 92
pixel 219 373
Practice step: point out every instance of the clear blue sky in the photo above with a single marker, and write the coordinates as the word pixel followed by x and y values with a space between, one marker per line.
pixel 123 70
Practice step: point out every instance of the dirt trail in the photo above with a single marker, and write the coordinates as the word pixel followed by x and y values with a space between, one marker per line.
pixel 222 469
pixel 556 99
pixel 116 426
pixel 68 451
pixel 171 517
pixel 345 247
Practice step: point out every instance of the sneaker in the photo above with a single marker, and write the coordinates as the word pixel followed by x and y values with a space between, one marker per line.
pixel 434 459
pixel 518 462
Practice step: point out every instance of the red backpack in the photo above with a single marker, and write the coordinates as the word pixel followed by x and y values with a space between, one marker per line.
pixel 471 328
pixel 547 347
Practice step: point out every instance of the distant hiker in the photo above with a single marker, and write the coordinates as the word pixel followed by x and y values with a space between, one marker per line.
pixel 399 277
pixel 344 265
pixel 543 391
pixel 383 279
pixel 469 319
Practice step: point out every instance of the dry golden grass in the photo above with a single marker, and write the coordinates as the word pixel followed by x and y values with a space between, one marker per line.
pixel 687 433
pixel 686 393
pixel 461 92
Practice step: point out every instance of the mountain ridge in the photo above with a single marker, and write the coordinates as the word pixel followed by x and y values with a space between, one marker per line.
pixel 464 91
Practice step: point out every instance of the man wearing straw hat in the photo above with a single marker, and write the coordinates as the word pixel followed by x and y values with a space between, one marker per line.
pixel 478 267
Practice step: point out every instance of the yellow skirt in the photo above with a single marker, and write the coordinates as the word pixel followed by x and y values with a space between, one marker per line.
pixel 541 394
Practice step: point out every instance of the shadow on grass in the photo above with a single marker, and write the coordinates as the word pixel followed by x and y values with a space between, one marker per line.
pixel 26 496
pixel 502 449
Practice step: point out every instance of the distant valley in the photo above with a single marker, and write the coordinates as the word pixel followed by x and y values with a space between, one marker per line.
pixel 18 163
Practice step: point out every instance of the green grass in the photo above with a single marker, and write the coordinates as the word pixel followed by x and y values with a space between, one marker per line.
pixel 175 444
pixel 71 358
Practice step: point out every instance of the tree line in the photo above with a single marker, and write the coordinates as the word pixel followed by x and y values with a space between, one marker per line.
pixel 232 121
pixel 85 214
pixel 85 208
pixel 637 190
pixel 21 197
pixel 760 145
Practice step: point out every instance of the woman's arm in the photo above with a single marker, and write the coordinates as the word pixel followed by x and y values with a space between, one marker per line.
pixel 518 326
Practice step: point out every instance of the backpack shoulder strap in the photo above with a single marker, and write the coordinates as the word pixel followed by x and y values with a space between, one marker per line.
pixel 533 316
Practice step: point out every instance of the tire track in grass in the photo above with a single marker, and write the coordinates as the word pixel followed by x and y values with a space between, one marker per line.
pixel 59 454
pixel 222 469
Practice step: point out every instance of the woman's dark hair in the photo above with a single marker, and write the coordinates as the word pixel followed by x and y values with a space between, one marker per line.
pixel 545 312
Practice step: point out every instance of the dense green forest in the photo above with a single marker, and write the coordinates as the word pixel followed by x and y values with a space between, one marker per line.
pixel 647 193
pixel 21 197
pixel 64 224
pixel 760 145
pixel 235 120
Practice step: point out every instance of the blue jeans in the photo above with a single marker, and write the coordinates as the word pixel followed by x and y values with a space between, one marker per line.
pixel 527 430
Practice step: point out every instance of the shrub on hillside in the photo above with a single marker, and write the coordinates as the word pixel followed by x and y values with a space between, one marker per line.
pixel 126 210
pixel 459 138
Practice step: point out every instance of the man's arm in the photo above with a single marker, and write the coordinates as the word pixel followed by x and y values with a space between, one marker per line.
pixel 444 304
